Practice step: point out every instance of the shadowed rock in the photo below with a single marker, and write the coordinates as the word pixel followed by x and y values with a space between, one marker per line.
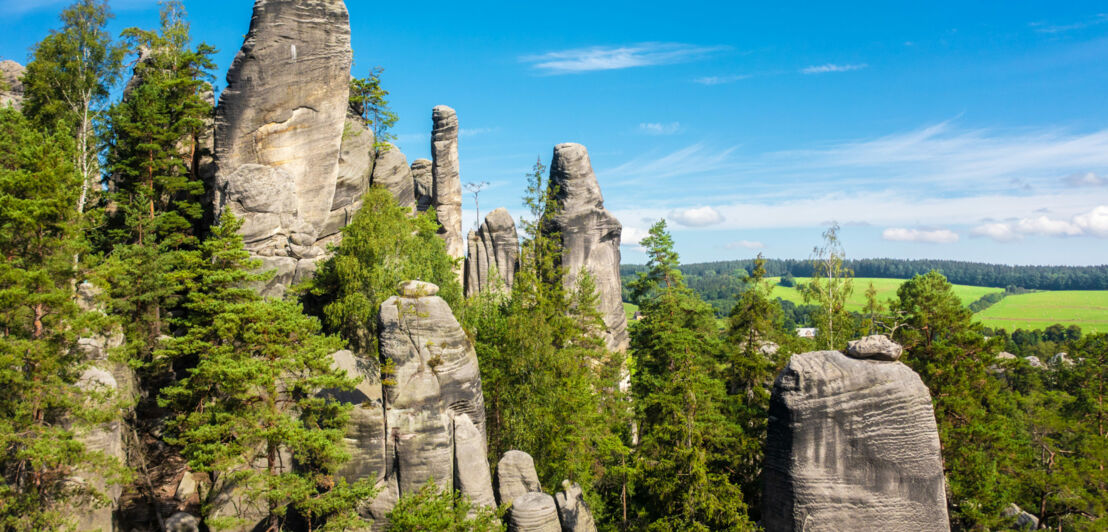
pixel 572 510
pixel 534 512
pixel 365 434
pixel 852 445
pixel 357 157
pixel 423 183
pixel 590 235
pixel 446 179
pixel 285 108
pixel 471 463
pixel 392 173
pixel 11 84
pixel 493 257
pixel 515 476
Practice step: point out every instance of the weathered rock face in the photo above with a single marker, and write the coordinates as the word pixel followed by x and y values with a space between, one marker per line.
pixel 11 84
pixel 423 183
pixel 493 257
pixel 590 235
pixel 392 172
pixel 433 420
pixel 572 510
pixel 285 108
pixel 365 434
pixel 515 476
pixel 357 158
pixel 852 445
pixel 534 512
pixel 876 347
pixel 446 194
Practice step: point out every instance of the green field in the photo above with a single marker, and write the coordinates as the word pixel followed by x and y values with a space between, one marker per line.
pixel 1087 309
pixel 630 310
pixel 886 289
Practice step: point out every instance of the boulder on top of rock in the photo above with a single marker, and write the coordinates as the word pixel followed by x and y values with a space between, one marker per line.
pixel 852 445
pixel 876 347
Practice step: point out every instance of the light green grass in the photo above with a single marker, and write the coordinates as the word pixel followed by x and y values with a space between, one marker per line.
pixel 1087 309
pixel 886 289
pixel 630 309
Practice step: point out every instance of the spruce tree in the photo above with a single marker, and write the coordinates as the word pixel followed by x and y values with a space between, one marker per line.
pixel 686 437
pixel 41 406
pixel 248 398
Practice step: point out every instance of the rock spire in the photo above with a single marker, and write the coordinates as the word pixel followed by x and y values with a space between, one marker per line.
pixel 493 257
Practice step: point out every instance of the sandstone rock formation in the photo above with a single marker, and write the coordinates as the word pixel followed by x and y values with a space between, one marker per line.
pixel 392 172
pixel 365 434
pixel 534 512
pixel 357 160
pixel 852 445
pixel 284 109
pixel 182 522
pixel 516 476
pixel 11 84
pixel 876 347
pixel 590 235
pixel 572 510
pixel 423 184
pixel 446 194
pixel 493 257
pixel 1021 519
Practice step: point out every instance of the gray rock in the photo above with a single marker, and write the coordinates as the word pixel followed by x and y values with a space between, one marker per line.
pixel 1022 519
pixel 357 157
pixel 534 512
pixel 392 172
pixel 418 289
pixel 423 183
pixel 446 194
pixel 852 445
pixel 493 257
pixel 876 347
pixel 105 438
pixel 1061 359
pixel 186 488
pixel 1004 355
pixel 11 84
pixel 590 236
pixel 365 434
pixel 471 463
pixel 285 108
pixel 572 510
pixel 515 476
pixel 1034 362
pixel 182 522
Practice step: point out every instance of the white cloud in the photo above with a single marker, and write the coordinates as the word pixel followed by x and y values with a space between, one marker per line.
pixel 746 244
pixel 632 236
pixel 1042 27
pixel 697 216
pixel 1092 223
pixel 656 128
pixel 617 57
pixel 1086 179
pixel 831 67
pixel 932 236
pixel 1000 232
pixel 720 80
pixel 464 132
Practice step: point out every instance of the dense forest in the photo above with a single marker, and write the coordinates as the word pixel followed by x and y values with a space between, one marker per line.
pixel 118 269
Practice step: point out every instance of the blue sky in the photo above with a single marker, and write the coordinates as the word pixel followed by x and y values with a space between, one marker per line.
pixel 963 130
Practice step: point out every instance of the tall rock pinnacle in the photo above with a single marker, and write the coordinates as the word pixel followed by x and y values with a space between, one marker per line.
pixel 590 235
pixel 493 254
pixel 446 194
pixel 852 444
pixel 280 124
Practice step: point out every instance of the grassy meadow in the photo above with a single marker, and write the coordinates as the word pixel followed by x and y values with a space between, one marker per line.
pixel 1087 309
pixel 886 289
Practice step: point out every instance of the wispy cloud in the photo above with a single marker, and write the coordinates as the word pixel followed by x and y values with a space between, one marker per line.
pixel 720 80
pixel 745 244
pixel 928 236
pixel 1085 179
pixel 657 128
pixel 695 159
pixel 464 132
pixel 697 216
pixel 1092 223
pixel 831 67
pixel 596 58
pixel 1096 20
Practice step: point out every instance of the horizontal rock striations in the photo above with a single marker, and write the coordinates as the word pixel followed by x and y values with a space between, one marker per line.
pixel 515 476
pixel 423 184
pixel 590 235
pixel 852 445
pixel 284 108
pixel 493 257
pixel 446 193
pixel 534 512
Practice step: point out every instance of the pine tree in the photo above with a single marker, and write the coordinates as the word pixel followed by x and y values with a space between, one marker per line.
pixel 156 193
pixel 67 84
pixel 433 510
pixel 367 101
pixel 41 405
pixel 681 403
pixel 249 394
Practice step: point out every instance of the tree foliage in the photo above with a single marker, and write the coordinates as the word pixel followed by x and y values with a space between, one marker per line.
pixel 368 102
pixel 433 510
